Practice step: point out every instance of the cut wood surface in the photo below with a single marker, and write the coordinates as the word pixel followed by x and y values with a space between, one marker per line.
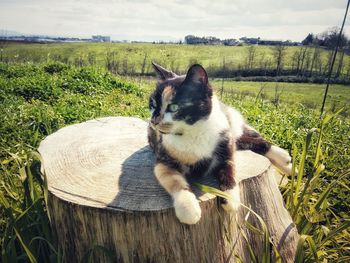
pixel 105 202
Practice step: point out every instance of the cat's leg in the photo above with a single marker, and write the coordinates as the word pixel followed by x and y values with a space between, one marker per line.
pixel 280 158
pixel 230 187
pixel 186 205
pixel 225 170
pixel 252 140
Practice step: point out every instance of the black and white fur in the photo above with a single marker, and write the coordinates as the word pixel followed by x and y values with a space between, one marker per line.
pixel 193 133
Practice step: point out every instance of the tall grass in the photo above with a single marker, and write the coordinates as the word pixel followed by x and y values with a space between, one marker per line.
pixel 324 234
pixel 307 198
pixel 36 101
pixel 26 232
pixel 317 197
pixel 266 256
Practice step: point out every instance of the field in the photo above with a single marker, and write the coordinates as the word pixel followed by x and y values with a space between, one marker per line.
pixel 134 59
pixel 307 94
pixel 39 98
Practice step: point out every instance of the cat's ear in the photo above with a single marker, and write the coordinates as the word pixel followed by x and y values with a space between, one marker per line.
pixel 162 73
pixel 197 73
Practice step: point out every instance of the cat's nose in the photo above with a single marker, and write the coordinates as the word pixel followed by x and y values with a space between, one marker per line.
pixel 156 120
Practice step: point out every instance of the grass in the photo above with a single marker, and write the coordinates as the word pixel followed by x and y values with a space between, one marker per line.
pixel 136 58
pixel 307 199
pixel 27 117
pixel 309 95
pixel 38 99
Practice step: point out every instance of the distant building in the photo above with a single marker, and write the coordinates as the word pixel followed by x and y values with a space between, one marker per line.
pixel 99 38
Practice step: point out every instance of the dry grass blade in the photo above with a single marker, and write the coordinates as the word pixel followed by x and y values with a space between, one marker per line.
pixel 266 255
pixel 25 247
pixel 300 254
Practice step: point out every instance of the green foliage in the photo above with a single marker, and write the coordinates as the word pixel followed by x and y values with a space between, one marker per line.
pixel 14 71
pixel 263 231
pixel 47 82
pixel 135 58
pixel 36 100
pixel 309 95
pixel 308 197
pixel 318 195
pixel 35 103
pixel 29 88
pixel 55 67
pixel 325 232
pixel 25 230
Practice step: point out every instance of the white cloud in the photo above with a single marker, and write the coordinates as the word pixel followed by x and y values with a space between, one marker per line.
pixel 138 19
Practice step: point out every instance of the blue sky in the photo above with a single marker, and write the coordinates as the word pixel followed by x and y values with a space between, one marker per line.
pixel 172 20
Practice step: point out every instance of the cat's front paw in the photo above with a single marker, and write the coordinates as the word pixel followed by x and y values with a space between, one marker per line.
pixel 187 208
pixel 232 204
pixel 280 158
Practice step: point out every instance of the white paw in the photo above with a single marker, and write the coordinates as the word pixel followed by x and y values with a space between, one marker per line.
pixel 233 204
pixel 280 158
pixel 187 208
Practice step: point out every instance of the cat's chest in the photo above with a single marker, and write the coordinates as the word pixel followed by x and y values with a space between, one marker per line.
pixel 199 140
pixel 191 148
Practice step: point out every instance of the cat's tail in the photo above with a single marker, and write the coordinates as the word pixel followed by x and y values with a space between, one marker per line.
pixel 252 140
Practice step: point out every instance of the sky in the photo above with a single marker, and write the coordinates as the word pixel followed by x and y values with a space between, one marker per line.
pixel 154 20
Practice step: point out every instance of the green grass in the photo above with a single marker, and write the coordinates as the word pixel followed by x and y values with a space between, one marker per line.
pixel 37 100
pixel 310 95
pixel 130 57
pixel 34 104
pixel 308 204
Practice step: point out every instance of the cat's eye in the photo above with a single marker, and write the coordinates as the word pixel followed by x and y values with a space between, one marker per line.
pixel 173 107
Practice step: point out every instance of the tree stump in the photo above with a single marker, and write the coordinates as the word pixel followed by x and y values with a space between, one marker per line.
pixel 105 203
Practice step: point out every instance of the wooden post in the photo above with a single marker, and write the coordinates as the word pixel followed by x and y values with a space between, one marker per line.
pixel 105 203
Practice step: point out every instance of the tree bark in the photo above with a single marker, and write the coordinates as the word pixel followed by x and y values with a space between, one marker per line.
pixel 105 203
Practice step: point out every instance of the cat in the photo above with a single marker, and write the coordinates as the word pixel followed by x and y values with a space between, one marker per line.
pixel 193 133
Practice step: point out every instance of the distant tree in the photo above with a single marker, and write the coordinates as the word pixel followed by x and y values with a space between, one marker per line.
pixel 340 64
pixel 251 52
pixel 348 70
pixel 262 59
pixel 316 60
pixel 308 40
pixel 298 58
pixel 144 63
pixel 329 38
pixel 190 39
pixel 326 67
pixel 279 53
pixel 307 62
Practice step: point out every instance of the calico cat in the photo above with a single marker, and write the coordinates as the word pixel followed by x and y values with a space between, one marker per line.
pixel 192 133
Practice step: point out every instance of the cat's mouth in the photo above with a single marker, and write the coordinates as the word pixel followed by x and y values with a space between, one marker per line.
pixel 164 132
pixel 166 128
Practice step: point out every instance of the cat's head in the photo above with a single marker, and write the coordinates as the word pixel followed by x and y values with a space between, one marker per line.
pixel 180 101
